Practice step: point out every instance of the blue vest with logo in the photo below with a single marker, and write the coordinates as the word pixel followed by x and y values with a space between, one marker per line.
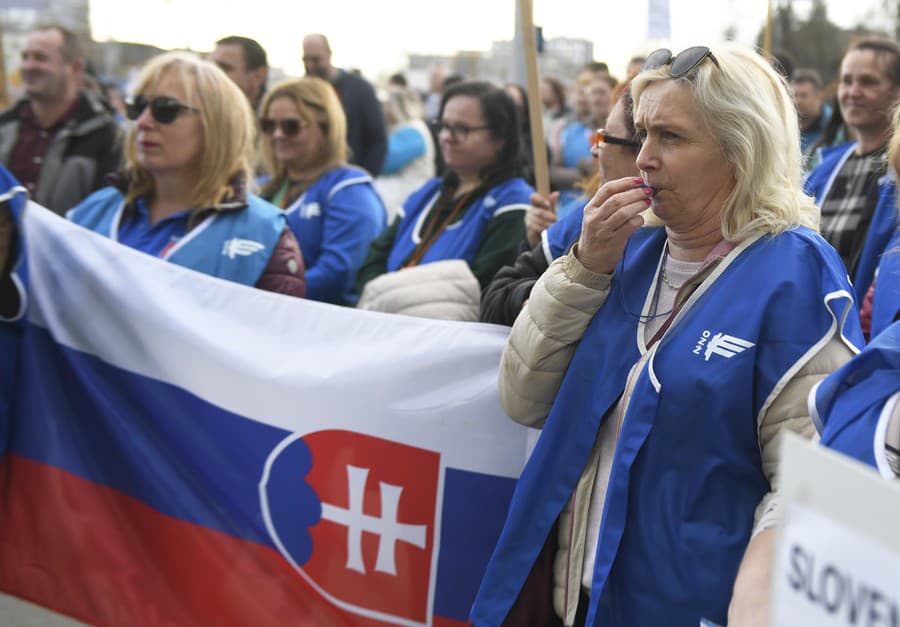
pixel 334 222
pixel 686 476
pixel 884 218
pixel 886 301
pixel 459 240
pixel 559 237
pixel 231 245
pixel 849 405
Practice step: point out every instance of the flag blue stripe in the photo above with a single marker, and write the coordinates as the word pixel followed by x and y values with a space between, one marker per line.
pixel 150 440
pixel 469 530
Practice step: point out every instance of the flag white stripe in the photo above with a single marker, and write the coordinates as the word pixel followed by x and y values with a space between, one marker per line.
pixel 299 365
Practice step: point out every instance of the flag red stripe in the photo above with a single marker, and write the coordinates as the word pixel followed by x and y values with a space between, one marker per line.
pixel 102 557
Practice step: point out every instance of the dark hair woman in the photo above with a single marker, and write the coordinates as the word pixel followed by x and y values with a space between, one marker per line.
pixel 469 220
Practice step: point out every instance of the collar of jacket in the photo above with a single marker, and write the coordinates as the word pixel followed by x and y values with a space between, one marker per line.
pixel 90 114
pixel 234 199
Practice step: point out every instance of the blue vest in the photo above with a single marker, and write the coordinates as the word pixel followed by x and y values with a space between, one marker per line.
pixel 334 222
pixel 559 237
pixel 849 404
pixel 231 245
pixel 884 218
pixel 459 240
pixel 686 476
pixel 886 301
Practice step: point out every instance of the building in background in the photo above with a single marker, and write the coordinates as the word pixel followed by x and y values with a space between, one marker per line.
pixel 562 57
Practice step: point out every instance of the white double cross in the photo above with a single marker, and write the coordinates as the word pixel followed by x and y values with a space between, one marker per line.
pixel 386 527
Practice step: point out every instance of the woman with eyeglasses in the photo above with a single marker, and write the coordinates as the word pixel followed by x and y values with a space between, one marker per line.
pixel 615 149
pixel 183 193
pixel 662 356
pixel 456 231
pixel 332 207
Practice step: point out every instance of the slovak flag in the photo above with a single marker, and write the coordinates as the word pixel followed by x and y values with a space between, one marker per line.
pixel 186 451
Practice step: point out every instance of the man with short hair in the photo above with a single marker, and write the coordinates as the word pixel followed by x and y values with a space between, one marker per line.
pixel 60 141
pixel 813 112
pixel 856 194
pixel 245 63
pixel 366 133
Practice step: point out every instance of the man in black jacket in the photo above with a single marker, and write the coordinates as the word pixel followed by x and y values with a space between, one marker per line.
pixel 366 132
pixel 59 141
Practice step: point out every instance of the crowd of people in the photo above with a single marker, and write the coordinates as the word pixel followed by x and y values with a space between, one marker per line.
pixel 720 244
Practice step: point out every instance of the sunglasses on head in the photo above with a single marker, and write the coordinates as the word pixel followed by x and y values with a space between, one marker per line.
pixel 163 109
pixel 289 126
pixel 601 136
pixel 680 64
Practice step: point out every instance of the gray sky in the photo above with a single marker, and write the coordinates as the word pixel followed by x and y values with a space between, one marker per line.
pixel 376 35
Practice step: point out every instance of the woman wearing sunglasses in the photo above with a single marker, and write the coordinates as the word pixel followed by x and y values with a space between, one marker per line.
pixel 182 195
pixel 455 232
pixel 615 149
pixel 332 208
pixel 662 356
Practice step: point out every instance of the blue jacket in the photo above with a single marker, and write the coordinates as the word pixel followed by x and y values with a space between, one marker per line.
pixel 334 222
pixel 686 476
pixel 459 240
pixel 886 301
pixel 849 407
pixel 811 135
pixel 233 245
pixel 884 219
pixel 557 239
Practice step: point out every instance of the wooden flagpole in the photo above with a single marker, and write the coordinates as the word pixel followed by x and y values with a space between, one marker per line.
pixel 539 148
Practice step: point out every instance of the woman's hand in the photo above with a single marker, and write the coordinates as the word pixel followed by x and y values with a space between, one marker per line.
pixel 539 216
pixel 7 230
pixel 610 218
pixel 750 600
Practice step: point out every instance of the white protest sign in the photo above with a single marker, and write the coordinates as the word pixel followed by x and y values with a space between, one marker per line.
pixel 838 556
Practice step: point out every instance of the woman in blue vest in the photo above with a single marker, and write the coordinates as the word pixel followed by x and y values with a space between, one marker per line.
pixel 662 356
pixel 456 231
pixel 332 208
pixel 182 196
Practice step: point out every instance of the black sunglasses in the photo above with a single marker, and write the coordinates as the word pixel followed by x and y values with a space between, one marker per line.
pixel 680 64
pixel 289 126
pixel 163 109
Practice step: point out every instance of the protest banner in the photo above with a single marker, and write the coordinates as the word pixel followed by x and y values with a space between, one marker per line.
pixel 184 450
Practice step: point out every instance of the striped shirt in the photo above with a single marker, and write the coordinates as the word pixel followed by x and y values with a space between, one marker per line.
pixel 847 209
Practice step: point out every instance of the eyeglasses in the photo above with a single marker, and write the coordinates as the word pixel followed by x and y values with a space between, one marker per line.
pixel 289 126
pixel 680 64
pixel 601 136
pixel 459 132
pixel 163 109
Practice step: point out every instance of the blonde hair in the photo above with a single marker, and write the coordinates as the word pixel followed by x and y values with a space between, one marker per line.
pixel 317 103
pixel 745 105
pixel 228 127
pixel 893 153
